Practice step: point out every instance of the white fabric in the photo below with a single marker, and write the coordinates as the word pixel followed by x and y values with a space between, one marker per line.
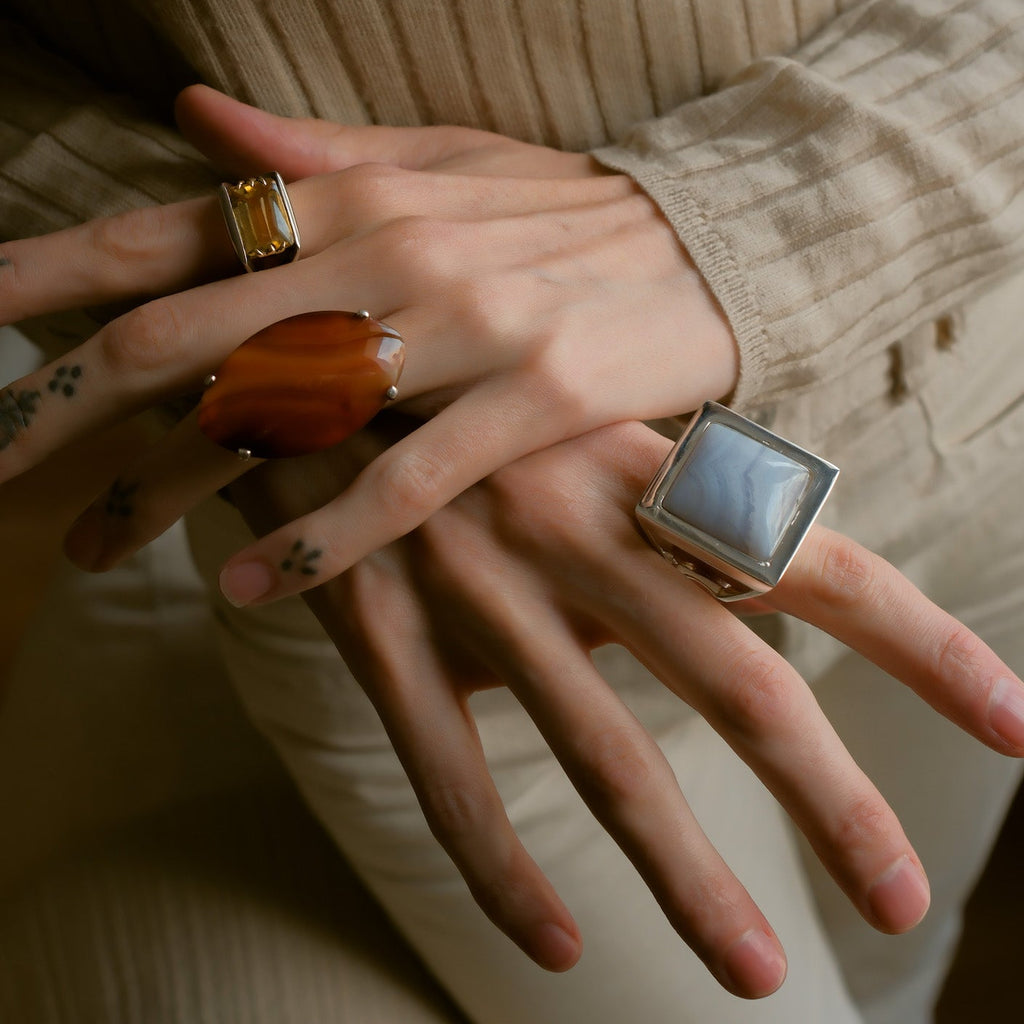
pixel 117 707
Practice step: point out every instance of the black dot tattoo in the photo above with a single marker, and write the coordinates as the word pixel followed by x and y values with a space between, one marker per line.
pixel 120 501
pixel 65 380
pixel 16 411
pixel 300 559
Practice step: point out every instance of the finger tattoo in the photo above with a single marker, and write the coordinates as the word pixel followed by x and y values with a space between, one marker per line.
pixel 16 411
pixel 65 380
pixel 301 559
pixel 120 501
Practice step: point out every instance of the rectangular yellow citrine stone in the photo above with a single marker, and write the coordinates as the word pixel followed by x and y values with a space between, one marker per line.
pixel 260 221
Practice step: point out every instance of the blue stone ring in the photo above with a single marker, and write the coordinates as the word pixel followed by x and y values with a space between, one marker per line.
pixel 732 502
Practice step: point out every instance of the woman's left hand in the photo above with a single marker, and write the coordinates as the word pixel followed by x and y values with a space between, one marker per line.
pixel 515 582
pixel 539 297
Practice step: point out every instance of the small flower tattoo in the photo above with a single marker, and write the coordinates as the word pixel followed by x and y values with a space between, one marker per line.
pixel 300 559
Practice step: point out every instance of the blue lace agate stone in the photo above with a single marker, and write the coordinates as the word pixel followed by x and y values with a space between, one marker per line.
pixel 737 490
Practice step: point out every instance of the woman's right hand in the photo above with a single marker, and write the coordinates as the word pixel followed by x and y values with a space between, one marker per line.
pixel 539 296
pixel 519 578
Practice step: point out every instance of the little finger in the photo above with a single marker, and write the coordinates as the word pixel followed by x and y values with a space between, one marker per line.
pixel 431 729
pixel 149 251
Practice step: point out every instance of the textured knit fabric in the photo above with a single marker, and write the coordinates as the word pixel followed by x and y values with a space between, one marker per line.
pixel 848 178
pixel 835 179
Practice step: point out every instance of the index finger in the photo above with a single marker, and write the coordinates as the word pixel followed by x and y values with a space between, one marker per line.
pixel 150 251
pixel 863 601
pixel 489 427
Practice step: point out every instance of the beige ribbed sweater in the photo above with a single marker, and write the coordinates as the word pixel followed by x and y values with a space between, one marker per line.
pixel 838 178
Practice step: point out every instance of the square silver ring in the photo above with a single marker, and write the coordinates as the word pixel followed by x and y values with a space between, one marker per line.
pixel 732 503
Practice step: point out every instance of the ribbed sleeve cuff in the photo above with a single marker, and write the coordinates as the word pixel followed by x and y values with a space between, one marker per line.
pixel 69 152
pixel 835 197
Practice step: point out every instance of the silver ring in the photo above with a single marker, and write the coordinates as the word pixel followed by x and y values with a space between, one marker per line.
pixel 732 503
pixel 260 221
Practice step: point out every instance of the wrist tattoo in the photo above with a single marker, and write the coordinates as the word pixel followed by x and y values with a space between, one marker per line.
pixel 300 559
pixel 4 261
pixel 120 501
pixel 65 380
pixel 16 411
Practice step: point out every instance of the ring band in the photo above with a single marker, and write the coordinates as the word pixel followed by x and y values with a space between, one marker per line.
pixel 260 221
pixel 732 503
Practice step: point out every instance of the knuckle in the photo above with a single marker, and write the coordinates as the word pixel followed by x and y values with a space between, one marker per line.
pixel 146 338
pixel 760 699
pixel 125 240
pixel 618 770
pixel 380 190
pixel 423 249
pixel 408 238
pixel 413 483
pixel 848 574
pixel 455 813
pixel 498 893
pixel 860 824
pixel 957 656
pixel 481 309
pixel 555 385
pixel 699 910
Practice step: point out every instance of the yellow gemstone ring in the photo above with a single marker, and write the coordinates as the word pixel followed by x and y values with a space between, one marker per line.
pixel 260 221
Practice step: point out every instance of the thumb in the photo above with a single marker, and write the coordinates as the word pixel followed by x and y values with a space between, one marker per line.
pixel 241 140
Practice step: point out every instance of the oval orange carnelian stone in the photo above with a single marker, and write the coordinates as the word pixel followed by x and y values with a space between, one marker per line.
pixel 302 384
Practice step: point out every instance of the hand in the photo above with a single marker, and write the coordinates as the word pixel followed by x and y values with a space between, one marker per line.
pixel 514 582
pixel 539 298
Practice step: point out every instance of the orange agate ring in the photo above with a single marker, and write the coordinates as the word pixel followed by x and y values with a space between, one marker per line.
pixel 302 384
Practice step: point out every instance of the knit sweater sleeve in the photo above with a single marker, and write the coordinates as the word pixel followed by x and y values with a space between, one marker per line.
pixel 837 196
pixel 71 150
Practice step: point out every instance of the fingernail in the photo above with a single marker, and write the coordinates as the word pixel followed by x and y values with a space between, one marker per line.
pixel 753 965
pixel 83 543
pixel 1006 712
pixel 246 582
pixel 554 948
pixel 900 896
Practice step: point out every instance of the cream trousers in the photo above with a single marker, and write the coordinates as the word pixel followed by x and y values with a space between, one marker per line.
pixel 117 709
